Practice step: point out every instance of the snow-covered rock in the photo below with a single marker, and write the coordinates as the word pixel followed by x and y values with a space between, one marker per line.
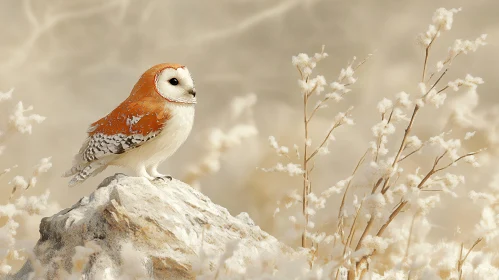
pixel 130 228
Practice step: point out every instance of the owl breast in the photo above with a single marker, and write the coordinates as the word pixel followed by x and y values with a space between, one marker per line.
pixel 173 135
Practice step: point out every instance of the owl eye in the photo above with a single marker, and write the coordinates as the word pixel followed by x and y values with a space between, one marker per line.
pixel 173 81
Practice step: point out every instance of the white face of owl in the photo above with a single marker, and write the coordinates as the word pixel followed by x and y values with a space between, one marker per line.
pixel 176 85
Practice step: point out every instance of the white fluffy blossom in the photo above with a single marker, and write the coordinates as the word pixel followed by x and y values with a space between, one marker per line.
pixel 442 21
pixel 383 128
pixel 343 118
pixel 430 96
pixel 465 46
pixel 347 74
pixel 403 100
pixel 291 169
pixel 375 204
pixel 22 123
pixel 469 135
pixel 472 160
pixel 385 105
pixel 413 142
pixel 305 63
pixel 443 18
pixel 469 81
pixel 377 243
pixel 440 145
pixel 6 95
pixel 316 85
pixel 280 150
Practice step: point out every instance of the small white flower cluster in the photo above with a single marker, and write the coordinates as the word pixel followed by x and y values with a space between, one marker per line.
pixel 343 118
pixel 465 46
pixel 442 21
pixel 292 169
pixel 451 148
pixel 391 114
pixel 22 123
pixel 280 150
pixel 430 96
pixel 340 86
pixel 6 95
pixel 413 142
pixel 19 182
pixel 306 64
pixel 469 81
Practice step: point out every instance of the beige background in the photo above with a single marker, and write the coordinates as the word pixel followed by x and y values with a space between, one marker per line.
pixel 76 60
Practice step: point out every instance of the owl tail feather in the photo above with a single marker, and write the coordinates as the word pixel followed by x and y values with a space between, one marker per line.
pixel 81 173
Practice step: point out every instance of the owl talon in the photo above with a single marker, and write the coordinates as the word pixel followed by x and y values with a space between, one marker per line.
pixel 164 178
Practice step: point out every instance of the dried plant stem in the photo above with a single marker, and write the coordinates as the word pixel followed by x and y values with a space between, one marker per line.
pixel 342 205
pixel 352 230
pixel 461 260
pixel 406 134
pixel 328 135
pixel 411 153
pixel 409 239
pixel 427 53
pixel 306 185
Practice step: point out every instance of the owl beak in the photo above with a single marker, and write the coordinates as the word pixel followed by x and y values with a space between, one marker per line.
pixel 192 92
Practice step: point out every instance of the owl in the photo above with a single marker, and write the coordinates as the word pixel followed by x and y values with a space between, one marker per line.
pixel 144 130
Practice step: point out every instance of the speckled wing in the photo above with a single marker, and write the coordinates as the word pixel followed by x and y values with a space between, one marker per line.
pixel 101 144
pixel 129 126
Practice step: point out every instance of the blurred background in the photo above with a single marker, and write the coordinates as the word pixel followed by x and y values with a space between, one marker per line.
pixel 76 60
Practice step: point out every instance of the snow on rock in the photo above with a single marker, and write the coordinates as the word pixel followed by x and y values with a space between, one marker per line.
pixel 131 228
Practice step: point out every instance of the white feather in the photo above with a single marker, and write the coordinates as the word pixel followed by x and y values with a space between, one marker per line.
pixel 158 149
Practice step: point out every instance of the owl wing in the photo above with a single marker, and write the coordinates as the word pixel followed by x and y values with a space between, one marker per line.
pixel 127 127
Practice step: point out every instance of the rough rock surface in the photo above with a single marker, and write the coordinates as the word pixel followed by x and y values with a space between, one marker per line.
pixel 166 222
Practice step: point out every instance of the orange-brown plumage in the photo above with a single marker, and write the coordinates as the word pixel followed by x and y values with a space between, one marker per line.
pixel 151 111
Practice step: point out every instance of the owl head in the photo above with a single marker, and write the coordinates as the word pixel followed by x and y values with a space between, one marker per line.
pixel 173 82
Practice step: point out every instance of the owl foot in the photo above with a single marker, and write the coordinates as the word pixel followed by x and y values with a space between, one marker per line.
pixel 163 178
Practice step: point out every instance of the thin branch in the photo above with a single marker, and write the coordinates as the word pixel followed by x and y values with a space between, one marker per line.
pixel 310 93
pixel 458 159
pixel 392 216
pixel 411 153
pixel 322 143
pixel 406 134
pixel 352 230
pixel 402 144
pixel 461 261
pixel 306 173
pixel 427 53
pixel 436 82
pixel 409 239
pixel 359 163
pixel 377 185
pixel 365 232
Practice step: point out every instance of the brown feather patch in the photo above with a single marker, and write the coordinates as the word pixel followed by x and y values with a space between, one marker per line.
pixel 134 117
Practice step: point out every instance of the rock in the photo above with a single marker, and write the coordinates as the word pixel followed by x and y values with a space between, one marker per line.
pixel 155 229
